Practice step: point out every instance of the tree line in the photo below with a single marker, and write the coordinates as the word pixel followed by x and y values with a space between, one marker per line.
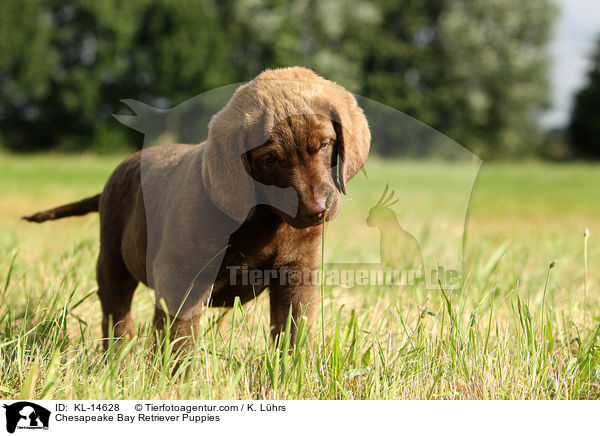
pixel 477 71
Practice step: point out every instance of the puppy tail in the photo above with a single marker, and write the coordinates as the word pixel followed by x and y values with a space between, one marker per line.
pixel 78 208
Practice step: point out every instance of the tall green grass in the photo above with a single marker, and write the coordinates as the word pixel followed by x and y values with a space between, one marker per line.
pixel 516 328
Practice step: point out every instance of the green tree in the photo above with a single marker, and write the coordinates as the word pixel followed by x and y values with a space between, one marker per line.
pixel 328 36
pixel 584 126
pixel 64 65
pixel 475 70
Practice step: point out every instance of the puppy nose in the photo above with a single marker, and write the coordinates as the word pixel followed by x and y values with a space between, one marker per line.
pixel 316 210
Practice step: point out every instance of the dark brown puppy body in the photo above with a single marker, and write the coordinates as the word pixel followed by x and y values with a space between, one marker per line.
pixel 300 152
pixel 264 242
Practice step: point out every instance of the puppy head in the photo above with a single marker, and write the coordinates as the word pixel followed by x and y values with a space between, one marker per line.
pixel 287 128
pixel 300 154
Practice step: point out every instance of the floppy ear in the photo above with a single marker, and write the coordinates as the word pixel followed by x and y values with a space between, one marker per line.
pixel 228 184
pixel 353 137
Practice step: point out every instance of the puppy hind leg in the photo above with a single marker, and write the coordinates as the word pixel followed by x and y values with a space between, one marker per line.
pixel 116 287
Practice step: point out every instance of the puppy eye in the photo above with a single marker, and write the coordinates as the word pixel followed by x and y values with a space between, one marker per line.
pixel 269 162
pixel 325 144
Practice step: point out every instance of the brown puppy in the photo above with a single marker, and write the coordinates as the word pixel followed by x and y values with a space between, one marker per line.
pixel 189 220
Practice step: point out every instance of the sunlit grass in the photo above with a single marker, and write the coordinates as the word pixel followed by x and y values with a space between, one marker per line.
pixel 515 329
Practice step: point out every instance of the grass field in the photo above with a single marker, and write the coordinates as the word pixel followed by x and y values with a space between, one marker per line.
pixel 515 329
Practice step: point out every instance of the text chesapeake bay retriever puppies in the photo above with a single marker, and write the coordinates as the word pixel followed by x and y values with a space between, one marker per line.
pixel 190 220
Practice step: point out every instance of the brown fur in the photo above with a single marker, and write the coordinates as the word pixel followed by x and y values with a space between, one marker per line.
pixel 296 112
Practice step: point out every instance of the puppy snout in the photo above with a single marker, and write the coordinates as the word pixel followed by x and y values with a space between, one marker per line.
pixel 317 208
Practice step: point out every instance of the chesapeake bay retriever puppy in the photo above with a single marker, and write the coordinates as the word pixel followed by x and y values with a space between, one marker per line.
pixel 190 220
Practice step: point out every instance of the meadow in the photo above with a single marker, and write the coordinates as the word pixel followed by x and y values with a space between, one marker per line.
pixel 523 324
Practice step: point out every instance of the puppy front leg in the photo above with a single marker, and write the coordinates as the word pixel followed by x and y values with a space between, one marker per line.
pixel 182 329
pixel 303 299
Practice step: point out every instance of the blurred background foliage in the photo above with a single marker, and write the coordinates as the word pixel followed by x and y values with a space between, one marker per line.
pixel 584 128
pixel 475 70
